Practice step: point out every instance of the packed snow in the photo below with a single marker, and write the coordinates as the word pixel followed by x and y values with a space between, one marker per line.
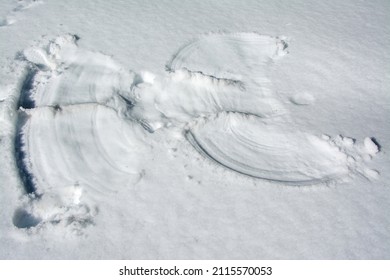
pixel 194 129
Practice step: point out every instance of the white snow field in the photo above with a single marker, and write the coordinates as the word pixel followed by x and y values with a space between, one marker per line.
pixel 194 129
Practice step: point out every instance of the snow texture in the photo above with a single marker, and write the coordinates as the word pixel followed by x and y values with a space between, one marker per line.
pixel 236 144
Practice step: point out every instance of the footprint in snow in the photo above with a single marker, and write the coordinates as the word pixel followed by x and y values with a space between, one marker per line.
pixel 22 5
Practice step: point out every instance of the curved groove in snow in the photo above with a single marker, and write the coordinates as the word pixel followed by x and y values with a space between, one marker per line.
pixel 251 146
pixel 80 145
pixel 235 56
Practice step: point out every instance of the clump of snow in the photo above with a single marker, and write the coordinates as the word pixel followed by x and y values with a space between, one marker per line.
pixel 147 77
pixel 358 155
pixel 303 98
pixel 370 146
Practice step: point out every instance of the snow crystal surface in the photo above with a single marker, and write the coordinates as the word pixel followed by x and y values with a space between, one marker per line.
pixel 194 129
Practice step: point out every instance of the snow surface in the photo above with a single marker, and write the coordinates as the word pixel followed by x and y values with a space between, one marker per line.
pixel 194 129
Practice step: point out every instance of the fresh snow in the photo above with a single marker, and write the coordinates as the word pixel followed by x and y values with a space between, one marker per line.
pixel 194 129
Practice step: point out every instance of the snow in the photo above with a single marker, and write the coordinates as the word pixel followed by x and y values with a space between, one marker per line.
pixel 370 146
pixel 194 129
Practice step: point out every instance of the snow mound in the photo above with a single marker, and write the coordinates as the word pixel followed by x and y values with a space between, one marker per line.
pixel 371 147
pixel 302 98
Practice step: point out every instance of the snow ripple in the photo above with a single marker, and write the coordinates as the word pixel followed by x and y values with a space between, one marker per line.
pixel 255 147
pixel 72 135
